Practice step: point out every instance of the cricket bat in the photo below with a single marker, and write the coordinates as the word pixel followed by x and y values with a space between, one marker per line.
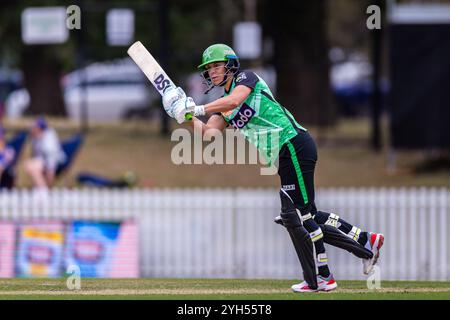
pixel 151 68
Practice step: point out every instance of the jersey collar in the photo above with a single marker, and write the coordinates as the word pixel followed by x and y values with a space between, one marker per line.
pixel 233 83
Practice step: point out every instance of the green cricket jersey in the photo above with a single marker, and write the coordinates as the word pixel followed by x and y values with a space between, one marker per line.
pixel 260 118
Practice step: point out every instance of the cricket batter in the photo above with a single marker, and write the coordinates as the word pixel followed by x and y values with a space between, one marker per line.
pixel 249 106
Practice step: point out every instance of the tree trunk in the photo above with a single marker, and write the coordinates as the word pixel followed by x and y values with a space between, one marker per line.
pixel 298 30
pixel 42 72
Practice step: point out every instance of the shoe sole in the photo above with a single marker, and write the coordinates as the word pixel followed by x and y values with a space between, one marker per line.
pixel 303 290
pixel 330 287
pixel 376 254
pixel 311 291
pixel 327 288
pixel 324 285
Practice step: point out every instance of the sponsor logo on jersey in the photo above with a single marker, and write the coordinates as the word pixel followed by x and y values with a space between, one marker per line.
pixel 241 77
pixel 243 116
pixel 288 187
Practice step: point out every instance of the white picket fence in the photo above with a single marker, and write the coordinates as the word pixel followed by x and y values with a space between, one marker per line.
pixel 229 233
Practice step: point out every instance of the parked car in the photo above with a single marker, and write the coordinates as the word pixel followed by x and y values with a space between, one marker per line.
pixel 351 83
pixel 113 91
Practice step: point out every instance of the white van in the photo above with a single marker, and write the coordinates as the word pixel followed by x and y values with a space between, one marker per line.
pixel 114 91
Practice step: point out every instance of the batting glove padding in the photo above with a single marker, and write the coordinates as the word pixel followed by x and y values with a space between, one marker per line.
pixel 187 105
pixel 171 97
pixel 195 110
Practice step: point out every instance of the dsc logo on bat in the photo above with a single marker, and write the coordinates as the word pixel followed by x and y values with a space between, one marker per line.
pixel 161 83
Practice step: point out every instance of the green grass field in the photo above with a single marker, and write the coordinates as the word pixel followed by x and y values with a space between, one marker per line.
pixel 221 289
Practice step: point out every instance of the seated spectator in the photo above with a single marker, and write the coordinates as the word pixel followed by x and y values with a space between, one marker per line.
pixel 6 152
pixel 47 154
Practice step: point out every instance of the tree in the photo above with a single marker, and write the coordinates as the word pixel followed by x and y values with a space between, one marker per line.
pixel 41 64
pixel 298 30
pixel 42 70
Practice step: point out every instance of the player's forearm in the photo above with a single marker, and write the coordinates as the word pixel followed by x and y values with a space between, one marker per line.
pixel 223 104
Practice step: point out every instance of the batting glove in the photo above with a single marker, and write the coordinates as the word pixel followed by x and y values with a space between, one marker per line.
pixel 171 97
pixel 195 110
pixel 183 107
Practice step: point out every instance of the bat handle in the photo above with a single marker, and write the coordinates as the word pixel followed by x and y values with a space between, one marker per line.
pixel 188 116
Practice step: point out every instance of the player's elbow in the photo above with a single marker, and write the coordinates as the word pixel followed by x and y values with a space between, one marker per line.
pixel 233 103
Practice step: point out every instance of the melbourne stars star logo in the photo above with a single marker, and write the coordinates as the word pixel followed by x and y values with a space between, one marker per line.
pixel 207 54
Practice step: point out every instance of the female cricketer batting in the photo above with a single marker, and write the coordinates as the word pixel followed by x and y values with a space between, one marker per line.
pixel 249 106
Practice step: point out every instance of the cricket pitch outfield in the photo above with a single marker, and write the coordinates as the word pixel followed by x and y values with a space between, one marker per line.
pixel 220 289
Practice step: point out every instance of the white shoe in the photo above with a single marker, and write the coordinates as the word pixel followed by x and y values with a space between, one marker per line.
pixel 376 242
pixel 323 284
pixel 302 287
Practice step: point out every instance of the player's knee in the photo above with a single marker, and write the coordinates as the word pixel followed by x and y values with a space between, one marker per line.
pixel 291 219
pixel 326 218
pixel 333 220
pixel 289 214
pixel 321 217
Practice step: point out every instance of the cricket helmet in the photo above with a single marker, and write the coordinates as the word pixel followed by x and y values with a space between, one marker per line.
pixel 219 53
pixel 216 53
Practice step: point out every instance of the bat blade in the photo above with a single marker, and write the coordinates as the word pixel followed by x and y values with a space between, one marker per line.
pixel 150 67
